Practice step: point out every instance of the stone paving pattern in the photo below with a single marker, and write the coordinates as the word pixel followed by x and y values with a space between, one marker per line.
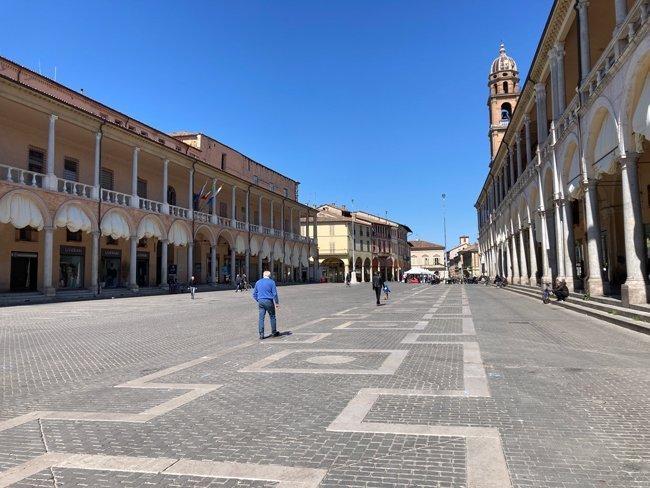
pixel 568 395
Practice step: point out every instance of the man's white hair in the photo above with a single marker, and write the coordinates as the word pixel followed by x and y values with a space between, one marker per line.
pixel 266 274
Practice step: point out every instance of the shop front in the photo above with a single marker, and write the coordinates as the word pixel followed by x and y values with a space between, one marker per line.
pixel 71 267
pixel 24 271
pixel 111 266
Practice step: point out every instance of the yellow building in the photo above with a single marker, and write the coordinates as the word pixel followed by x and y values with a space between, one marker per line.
pixel 429 256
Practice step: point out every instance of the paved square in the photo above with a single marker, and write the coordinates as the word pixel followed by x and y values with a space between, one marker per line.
pixel 421 391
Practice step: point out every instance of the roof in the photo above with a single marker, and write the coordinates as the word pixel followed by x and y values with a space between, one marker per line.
pixel 425 245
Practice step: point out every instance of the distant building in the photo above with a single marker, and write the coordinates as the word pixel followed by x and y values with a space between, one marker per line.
pixel 463 260
pixel 360 241
pixel 427 255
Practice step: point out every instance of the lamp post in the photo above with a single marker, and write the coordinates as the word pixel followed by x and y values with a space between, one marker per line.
pixel 353 277
pixel 444 224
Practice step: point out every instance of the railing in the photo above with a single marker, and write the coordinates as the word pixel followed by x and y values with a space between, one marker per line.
pixel 623 37
pixel 568 119
pixel 240 225
pixel 179 212
pixel 202 217
pixel 21 176
pixel 277 233
pixel 74 188
pixel 116 197
pixel 255 228
pixel 267 231
pixel 151 205
pixel 224 221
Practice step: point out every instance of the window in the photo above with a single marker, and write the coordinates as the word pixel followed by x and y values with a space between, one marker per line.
pixel 223 161
pixel 70 170
pixel 142 188
pixel 107 179
pixel 286 192
pixel 271 187
pixel 171 195
pixel 223 209
pixel 426 261
pixel 25 234
pixel 73 236
pixel 256 180
pixel 36 159
pixel 436 261
pixel 142 242
pixel 505 87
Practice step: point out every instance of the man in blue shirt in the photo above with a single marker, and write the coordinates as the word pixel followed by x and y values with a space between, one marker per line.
pixel 265 294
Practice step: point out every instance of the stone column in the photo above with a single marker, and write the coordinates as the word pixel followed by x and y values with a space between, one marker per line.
pixel 248 217
pixel 213 265
pixel 214 218
pixel 569 245
pixel 506 249
pixel 520 167
pixel 540 102
pixel 94 264
pixel 233 267
pixel 561 92
pixel 507 183
pixel 97 170
pixel 282 219
pixel 529 149
pixel 272 265
pixel 48 264
pixel 532 251
pixel 594 280
pixel 546 272
pixel 552 58
pixel 633 291
pixel 560 254
pixel 259 214
pixel 260 269
pixel 583 27
pixel 511 163
pixel 190 260
pixel 134 179
pixel 247 263
pixel 291 220
pixel 133 285
pixel 620 7
pixel 272 217
pixel 50 179
pixel 163 262
pixel 522 258
pixel 165 186
pixel 516 272
pixel 190 197
pixel 233 211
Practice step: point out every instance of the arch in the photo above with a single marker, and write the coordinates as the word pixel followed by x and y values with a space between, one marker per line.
pixel 240 244
pixel 255 246
pixel 634 90
pixel 602 139
pixel 22 208
pixel 75 216
pixel 209 231
pixel 547 185
pixel 178 234
pixel 150 226
pixel 572 174
pixel 226 236
pixel 117 224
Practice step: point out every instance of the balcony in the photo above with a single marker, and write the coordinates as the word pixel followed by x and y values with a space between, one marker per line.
pixel 36 180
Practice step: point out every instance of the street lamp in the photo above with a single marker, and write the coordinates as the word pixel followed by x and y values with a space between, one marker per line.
pixel 353 277
pixel 444 223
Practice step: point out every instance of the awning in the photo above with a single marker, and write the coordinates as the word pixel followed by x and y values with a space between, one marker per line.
pixel 21 212
pixel 287 253
pixel 266 249
pixel 418 271
pixel 240 245
pixel 641 118
pixel 74 218
pixel 277 250
pixel 573 184
pixel 304 257
pixel 255 246
pixel 606 148
pixel 295 257
pixel 178 235
pixel 115 225
pixel 149 228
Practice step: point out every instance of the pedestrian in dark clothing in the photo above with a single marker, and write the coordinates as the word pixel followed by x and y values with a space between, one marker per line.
pixel 238 283
pixel 377 285
pixel 192 286
pixel 560 290
pixel 265 293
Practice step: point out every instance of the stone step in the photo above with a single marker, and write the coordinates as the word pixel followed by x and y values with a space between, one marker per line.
pixel 612 311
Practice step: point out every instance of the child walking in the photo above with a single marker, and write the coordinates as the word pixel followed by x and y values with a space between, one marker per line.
pixel 386 291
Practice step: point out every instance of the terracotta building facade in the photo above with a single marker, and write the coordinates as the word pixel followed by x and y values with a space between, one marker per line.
pixel 92 199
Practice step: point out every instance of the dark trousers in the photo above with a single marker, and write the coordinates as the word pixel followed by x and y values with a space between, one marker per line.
pixel 378 293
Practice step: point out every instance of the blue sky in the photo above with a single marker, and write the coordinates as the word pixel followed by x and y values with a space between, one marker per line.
pixel 380 101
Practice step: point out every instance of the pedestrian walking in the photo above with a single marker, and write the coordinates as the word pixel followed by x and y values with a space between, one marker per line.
pixel 386 291
pixel 244 280
pixel 348 278
pixel 265 294
pixel 377 285
pixel 238 283
pixel 192 286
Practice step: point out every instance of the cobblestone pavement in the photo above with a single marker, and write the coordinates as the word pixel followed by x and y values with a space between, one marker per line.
pixel 445 386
